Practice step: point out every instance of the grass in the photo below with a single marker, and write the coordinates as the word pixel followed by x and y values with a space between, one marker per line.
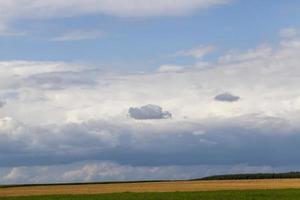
pixel 216 195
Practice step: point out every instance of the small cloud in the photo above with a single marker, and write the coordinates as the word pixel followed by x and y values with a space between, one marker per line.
pixel 199 132
pixel 7 32
pixel 260 52
pixel 15 174
pixel 288 32
pixel 227 97
pixel 79 35
pixel 170 69
pixel 149 112
pixel 197 52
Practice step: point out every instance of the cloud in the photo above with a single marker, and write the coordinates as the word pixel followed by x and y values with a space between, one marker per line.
pixel 149 112
pixel 79 35
pixel 11 33
pixel 146 144
pixel 6 31
pixel 198 52
pixel 60 80
pixel 261 52
pixel 2 104
pixel 93 171
pixel 31 10
pixel 21 69
pixel 170 69
pixel 288 32
pixel 227 97
pixel 79 114
pixel 45 9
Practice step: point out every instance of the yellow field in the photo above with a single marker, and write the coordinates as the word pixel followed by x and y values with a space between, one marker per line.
pixel 152 187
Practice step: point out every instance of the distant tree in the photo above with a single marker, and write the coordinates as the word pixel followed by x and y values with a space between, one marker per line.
pixel 253 176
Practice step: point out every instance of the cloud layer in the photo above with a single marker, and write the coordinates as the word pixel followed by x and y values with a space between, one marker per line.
pixel 93 171
pixel 45 9
pixel 78 114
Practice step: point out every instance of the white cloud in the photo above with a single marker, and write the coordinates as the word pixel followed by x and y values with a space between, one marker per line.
pixel 16 10
pixel 261 52
pixel 170 69
pixel 288 32
pixel 63 113
pixel 79 35
pixel 10 128
pixel 198 52
pixel 22 69
pixel 32 9
pixel 253 75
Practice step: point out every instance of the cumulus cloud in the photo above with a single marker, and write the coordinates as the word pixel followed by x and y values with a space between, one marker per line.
pixel 149 112
pixel 227 97
pixel 78 114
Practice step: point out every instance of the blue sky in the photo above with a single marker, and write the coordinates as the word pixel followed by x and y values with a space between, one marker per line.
pixel 102 90
pixel 237 25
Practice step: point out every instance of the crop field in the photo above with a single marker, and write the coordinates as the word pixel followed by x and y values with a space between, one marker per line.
pixel 156 190
pixel 212 195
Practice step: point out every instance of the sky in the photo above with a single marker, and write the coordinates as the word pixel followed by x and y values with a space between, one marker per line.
pixel 102 90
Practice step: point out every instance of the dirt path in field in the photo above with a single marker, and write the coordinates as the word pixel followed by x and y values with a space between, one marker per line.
pixel 152 187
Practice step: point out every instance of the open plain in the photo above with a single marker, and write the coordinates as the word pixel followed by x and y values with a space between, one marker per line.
pixel 176 186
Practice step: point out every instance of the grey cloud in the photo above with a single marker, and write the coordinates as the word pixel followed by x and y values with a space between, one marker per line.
pixel 223 143
pixel 49 145
pixel 227 97
pixel 93 171
pixel 149 112
pixel 2 104
pixel 61 80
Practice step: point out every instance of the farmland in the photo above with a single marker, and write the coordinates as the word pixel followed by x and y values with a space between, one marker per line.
pixel 153 190
pixel 216 195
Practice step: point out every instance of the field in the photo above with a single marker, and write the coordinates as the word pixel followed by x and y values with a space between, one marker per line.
pixel 234 189
pixel 216 195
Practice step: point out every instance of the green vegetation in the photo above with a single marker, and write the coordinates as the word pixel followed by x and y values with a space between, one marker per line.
pixel 85 183
pixel 288 175
pixel 224 195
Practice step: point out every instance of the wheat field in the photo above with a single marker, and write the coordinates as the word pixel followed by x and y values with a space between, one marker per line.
pixel 176 186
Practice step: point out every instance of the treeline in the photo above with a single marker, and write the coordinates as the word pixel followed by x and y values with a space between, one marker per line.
pixel 254 176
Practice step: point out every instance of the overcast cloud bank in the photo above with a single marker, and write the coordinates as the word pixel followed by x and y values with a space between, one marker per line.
pixel 78 114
